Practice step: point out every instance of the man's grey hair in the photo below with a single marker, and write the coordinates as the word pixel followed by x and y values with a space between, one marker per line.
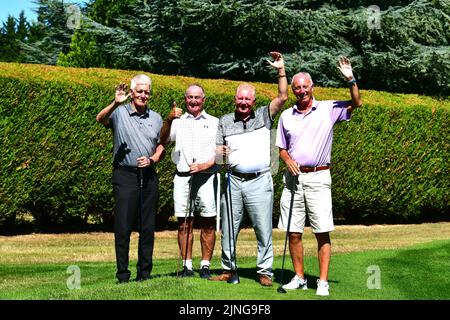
pixel 304 75
pixel 195 85
pixel 140 79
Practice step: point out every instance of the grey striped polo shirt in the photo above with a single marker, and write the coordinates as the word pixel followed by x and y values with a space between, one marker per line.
pixel 134 135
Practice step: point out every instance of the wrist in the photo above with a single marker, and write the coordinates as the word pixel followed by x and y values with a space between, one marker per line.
pixel 281 72
pixel 351 81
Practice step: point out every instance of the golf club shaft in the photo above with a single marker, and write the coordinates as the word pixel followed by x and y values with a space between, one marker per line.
pixel 233 253
pixel 141 205
pixel 188 212
pixel 228 200
pixel 293 186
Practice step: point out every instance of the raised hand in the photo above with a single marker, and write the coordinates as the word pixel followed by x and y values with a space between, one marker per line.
pixel 278 61
pixel 346 68
pixel 121 93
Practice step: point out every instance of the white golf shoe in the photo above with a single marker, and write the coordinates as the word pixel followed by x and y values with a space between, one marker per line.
pixel 296 283
pixel 322 288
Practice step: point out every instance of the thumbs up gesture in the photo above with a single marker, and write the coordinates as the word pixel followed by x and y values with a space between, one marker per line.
pixel 176 112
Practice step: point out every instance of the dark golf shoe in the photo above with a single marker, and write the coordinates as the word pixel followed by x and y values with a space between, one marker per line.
pixel 122 281
pixel 205 273
pixel 140 279
pixel 187 273
pixel 142 276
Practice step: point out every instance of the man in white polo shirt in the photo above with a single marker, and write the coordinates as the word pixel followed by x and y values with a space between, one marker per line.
pixel 305 136
pixel 195 181
pixel 244 136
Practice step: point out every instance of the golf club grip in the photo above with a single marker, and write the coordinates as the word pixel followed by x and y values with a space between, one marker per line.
pixel 294 183
pixel 224 157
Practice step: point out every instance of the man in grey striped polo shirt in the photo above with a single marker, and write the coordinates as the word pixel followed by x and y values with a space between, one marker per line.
pixel 136 149
pixel 244 136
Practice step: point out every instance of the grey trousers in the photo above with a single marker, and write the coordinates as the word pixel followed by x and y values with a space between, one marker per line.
pixel 256 196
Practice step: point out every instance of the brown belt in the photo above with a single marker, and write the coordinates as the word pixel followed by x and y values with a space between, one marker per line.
pixel 313 169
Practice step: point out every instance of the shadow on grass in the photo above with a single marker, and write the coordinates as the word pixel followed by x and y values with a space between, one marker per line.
pixel 29 228
pixel 251 274
pixel 24 228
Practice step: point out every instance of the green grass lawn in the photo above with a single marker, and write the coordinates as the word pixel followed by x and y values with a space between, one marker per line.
pixel 419 272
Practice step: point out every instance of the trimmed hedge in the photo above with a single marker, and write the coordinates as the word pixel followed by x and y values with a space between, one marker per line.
pixel 389 162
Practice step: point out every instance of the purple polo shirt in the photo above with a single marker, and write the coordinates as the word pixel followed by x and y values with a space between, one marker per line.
pixel 308 137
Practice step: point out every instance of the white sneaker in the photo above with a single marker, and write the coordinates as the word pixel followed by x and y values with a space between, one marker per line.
pixel 322 288
pixel 296 283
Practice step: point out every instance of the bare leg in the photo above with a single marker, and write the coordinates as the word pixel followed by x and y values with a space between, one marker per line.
pixel 207 237
pixel 324 253
pixel 296 250
pixel 185 231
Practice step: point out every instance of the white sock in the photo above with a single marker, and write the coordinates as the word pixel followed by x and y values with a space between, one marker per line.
pixel 187 264
pixel 204 263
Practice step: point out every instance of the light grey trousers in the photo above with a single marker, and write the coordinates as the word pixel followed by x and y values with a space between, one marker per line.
pixel 256 196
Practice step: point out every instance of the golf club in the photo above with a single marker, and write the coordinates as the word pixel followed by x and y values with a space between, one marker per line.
pixel 187 212
pixel 141 205
pixel 234 276
pixel 293 188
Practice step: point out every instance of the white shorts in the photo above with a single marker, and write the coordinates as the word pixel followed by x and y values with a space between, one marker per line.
pixel 203 195
pixel 312 197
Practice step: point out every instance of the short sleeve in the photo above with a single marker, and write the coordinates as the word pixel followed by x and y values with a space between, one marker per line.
pixel 174 129
pixel 280 140
pixel 339 111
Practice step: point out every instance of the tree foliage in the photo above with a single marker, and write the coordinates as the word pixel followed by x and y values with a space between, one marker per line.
pixel 54 30
pixel 399 45
pixel 8 43
pixel 38 41
pixel 231 38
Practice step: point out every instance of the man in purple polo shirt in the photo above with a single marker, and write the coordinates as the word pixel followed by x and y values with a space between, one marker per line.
pixel 305 136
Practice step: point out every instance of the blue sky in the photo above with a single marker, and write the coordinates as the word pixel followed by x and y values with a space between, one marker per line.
pixel 13 7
